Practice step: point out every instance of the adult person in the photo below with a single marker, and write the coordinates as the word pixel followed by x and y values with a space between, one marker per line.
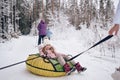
pixel 42 26
pixel 116 26
pixel 116 21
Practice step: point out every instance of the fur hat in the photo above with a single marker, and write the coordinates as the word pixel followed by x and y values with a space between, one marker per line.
pixel 46 41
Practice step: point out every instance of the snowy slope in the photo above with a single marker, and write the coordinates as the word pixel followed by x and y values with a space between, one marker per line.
pixel 98 67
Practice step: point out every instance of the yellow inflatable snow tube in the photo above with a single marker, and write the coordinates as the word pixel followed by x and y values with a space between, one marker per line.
pixel 44 67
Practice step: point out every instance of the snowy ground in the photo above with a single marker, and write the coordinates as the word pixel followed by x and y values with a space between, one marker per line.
pixel 98 67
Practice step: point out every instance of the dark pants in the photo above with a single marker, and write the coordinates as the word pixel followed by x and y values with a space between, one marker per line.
pixel 40 37
pixel 49 38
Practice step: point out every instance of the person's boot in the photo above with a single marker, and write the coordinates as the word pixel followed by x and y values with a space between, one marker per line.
pixel 67 69
pixel 79 68
pixel 118 69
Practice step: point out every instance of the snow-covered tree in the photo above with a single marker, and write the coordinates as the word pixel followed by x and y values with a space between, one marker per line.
pixel 8 19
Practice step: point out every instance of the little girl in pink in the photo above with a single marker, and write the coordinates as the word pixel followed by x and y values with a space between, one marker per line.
pixel 49 51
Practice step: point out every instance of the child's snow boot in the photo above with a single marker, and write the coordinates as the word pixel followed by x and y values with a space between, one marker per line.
pixel 118 69
pixel 79 67
pixel 67 69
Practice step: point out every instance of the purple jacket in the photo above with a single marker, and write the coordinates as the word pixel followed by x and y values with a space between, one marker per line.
pixel 42 28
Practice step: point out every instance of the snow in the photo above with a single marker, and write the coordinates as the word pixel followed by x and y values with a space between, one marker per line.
pixel 99 61
pixel 99 67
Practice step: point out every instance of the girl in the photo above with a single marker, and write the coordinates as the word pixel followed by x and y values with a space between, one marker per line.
pixel 49 51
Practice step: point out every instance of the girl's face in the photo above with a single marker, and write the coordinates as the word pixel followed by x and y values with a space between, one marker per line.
pixel 48 47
